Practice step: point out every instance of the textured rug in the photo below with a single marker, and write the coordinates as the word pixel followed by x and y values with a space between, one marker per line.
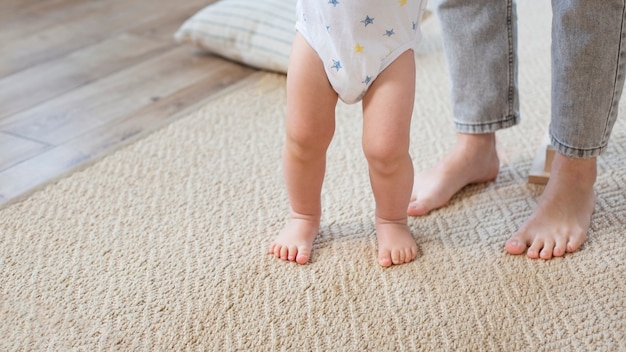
pixel 162 245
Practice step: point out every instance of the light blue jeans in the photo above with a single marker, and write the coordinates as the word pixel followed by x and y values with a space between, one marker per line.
pixel 588 58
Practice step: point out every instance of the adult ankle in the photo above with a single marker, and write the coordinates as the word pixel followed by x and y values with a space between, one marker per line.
pixel 482 140
pixel 581 171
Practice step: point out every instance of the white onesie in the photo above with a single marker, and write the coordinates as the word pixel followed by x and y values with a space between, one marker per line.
pixel 358 39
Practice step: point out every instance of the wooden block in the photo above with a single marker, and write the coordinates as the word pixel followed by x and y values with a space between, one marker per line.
pixel 540 169
pixel 550 151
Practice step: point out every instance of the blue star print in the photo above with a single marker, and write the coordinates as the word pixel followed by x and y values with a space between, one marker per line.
pixel 334 2
pixel 367 80
pixel 368 20
pixel 336 65
pixel 389 33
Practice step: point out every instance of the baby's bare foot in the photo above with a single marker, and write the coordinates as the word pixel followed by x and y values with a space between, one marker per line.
pixel 562 217
pixel 295 241
pixel 395 243
pixel 473 159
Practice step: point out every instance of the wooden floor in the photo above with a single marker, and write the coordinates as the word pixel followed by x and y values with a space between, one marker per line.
pixel 80 78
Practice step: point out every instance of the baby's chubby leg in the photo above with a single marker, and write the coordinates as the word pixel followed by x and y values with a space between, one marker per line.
pixel 310 125
pixel 387 110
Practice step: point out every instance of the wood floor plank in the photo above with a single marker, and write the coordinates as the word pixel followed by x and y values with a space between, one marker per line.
pixel 40 83
pixel 14 150
pixel 51 38
pixel 110 99
pixel 68 36
pixel 21 180
pixel 35 16
pixel 27 177
pixel 82 78
pixel 119 132
pixel 12 7
pixel 163 28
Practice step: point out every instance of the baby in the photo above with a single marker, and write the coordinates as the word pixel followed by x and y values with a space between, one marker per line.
pixel 353 50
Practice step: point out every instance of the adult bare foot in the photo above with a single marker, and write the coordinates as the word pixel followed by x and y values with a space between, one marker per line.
pixel 295 241
pixel 395 243
pixel 473 159
pixel 561 220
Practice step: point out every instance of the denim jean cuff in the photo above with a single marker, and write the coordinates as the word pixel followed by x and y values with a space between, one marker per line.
pixel 575 153
pixel 486 127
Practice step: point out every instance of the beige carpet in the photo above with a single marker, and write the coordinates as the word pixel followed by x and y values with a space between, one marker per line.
pixel 161 246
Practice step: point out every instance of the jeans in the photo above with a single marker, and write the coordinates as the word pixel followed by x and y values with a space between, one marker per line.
pixel 588 57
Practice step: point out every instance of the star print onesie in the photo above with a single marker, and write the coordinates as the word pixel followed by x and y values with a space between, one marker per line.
pixel 358 39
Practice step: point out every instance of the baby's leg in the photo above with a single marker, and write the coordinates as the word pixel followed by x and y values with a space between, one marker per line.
pixel 310 125
pixel 387 110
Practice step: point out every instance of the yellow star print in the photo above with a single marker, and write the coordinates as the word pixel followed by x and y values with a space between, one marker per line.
pixel 402 2
pixel 358 48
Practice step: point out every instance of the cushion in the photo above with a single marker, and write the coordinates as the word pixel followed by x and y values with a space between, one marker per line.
pixel 254 32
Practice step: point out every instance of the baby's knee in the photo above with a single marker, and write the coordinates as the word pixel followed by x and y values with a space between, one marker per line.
pixel 385 158
pixel 306 145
